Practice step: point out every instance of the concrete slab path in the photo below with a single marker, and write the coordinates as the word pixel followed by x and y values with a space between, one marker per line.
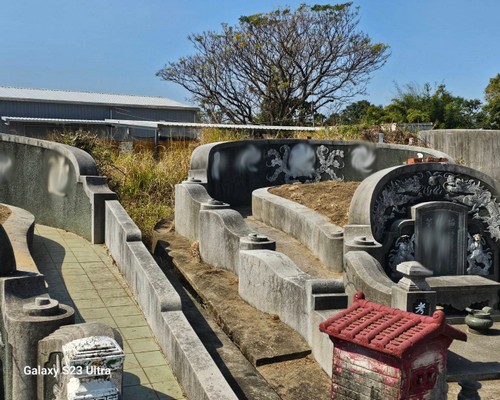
pixel 83 276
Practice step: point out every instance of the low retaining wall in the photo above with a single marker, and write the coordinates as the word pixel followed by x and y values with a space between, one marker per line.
pixel 272 283
pixel 56 183
pixel 364 273
pixel 233 170
pixel 190 199
pixel 222 233
pixel 162 307
pixel 268 280
pixel 476 148
pixel 317 232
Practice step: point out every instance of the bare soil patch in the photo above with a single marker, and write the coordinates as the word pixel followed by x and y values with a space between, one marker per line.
pixel 4 214
pixel 330 198
pixel 279 353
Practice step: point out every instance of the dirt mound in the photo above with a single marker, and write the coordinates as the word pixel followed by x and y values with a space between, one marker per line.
pixel 330 198
pixel 4 213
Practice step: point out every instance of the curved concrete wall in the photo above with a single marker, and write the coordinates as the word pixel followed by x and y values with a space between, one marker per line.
pixel 161 304
pixel 317 232
pixel 233 170
pixel 56 183
pixel 478 149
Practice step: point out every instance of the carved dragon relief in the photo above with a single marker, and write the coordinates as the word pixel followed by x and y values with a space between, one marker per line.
pixel 400 194
pixel 299 162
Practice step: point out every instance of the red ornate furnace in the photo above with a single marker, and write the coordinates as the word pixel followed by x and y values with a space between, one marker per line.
pixel 384 353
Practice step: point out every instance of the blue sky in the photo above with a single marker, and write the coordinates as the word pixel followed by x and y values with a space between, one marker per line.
pixel 117 46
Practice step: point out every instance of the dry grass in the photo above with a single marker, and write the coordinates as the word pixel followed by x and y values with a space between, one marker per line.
pixel 144 186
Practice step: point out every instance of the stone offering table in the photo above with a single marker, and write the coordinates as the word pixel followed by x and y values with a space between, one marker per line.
pixel 461 291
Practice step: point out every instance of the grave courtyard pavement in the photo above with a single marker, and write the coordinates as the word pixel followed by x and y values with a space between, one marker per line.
pixel 84 276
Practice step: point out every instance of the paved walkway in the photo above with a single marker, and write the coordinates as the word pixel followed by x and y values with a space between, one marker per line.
pixel 83 276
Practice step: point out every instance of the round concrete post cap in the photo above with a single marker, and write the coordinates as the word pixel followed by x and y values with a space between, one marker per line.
pixel 255 237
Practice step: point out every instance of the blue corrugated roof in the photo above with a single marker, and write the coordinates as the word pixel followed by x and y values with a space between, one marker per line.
pixel 68 96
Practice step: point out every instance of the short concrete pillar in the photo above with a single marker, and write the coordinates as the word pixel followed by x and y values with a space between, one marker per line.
pixel 413 293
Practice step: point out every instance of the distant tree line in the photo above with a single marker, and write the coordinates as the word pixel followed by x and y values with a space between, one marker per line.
pixel 427 103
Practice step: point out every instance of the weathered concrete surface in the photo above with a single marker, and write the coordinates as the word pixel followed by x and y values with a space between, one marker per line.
pixel 272 283
pixel 322 346
pixel 314 230
pixel 262 338
pixel 154 292
pixel 190 198
pixel 364 273
pixel 222 233
pixel 476 148
pixel 241 375
pixel 55 182
pixel 476 359
pixel 295 250
pixel 25 321
pixel 162 307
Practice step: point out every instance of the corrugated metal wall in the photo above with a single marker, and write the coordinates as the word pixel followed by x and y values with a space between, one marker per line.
pixel 85 111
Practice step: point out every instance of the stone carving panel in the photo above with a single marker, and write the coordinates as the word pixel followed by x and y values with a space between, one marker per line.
pixel 300 160
pixel 400 194
pixel 403 250
pixel 479 256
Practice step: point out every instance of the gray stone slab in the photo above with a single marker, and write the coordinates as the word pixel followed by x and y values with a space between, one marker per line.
pixel 476 359
pixel 262 338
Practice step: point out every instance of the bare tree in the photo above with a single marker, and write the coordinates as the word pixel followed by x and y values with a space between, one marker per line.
pixel 279 67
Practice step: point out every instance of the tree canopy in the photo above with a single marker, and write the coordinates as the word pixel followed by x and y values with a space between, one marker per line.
pixel 492 106
pixel 280 67
pixel 414 103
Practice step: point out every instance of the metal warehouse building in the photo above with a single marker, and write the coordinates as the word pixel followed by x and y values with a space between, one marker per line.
pixel 38 112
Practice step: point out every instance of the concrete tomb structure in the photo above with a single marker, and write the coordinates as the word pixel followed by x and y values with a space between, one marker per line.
pixel 385 353
pixel 210 203
pixel 443 216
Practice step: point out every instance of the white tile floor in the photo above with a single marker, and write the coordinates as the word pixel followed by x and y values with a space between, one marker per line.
pixel 83 276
